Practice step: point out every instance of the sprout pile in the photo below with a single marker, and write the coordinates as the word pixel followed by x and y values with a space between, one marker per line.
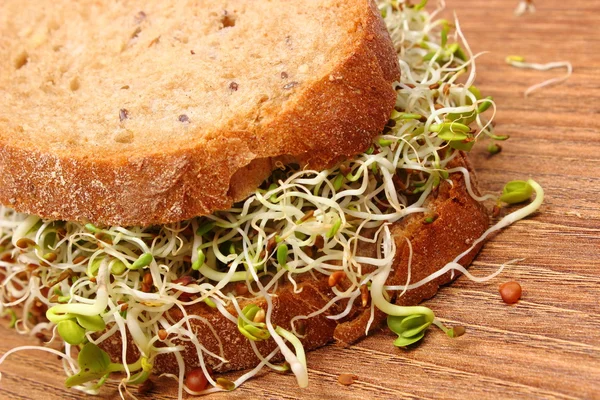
pixel 78 285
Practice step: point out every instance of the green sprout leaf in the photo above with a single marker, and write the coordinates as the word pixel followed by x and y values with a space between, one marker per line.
pixel 93 363
pixel 453 127
pixel 338 182
pixel 516 192
pixel 464 118
pixel 476 92
pixel 258 332
pixel 143 261
pixel 199 261
pixel 460 54
pixel 273 198
pixel 210 302
pixel 409 116
pixel 205 228
pixel 282 254
pixel 93 228
pixel 465 145
pixel 118 267
pixel 94 266
pixel 421 5
pixel 92 323
pixel 334 229
pixel 255 331
pixel 403 342
pixel 450 136
pixel 484 105
pixel 385 142
pixel 410 329
pixel 444 34
pixel 71 332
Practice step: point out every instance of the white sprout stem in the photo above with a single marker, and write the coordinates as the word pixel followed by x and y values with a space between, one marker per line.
pixel 377 288
pixel 64 356
pixel 409 266
pixel 88 309
pixel 510 218
pixel 504 222
pixel 543 67
pixel 451 266
pixel 298 364
pixel 140 339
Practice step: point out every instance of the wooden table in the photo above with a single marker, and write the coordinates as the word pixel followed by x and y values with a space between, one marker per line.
pixel 548 345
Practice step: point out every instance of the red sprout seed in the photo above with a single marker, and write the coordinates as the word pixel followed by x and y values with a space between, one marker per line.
pixel 195 380
pixel 78 259
pixel 7 258
pixel 510 292
pixel 309 214
pixel 184 280
pixel 364 295
pixel 148 278
pixel 162 334
pixel 24 243
pixel 319 242
pixel 347 379
pixel 335 278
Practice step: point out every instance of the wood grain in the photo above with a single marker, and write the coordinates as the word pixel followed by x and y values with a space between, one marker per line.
pixel 548 345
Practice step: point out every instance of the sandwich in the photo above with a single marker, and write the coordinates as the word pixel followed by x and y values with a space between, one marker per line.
pixel 195 188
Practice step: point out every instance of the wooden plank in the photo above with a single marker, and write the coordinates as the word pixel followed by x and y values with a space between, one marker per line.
pixel 548 345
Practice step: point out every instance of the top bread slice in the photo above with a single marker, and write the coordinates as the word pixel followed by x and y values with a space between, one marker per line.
pixel 149 112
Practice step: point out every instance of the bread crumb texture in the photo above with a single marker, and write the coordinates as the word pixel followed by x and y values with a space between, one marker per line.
pixel 143 112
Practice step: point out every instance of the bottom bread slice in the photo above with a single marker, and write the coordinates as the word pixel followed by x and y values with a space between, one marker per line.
pixel 459 220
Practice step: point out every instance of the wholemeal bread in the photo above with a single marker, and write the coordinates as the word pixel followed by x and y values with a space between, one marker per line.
pixel 145 113
pixel 460 220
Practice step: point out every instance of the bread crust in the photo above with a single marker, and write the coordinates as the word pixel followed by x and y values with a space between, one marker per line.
pixel 333 117
pixel 460 221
